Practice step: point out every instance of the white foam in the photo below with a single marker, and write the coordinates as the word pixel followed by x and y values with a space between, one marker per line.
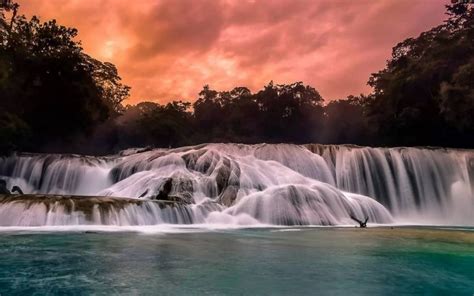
pixel 271 184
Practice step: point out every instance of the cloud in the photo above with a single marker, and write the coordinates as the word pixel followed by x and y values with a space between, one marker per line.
pixel 168 49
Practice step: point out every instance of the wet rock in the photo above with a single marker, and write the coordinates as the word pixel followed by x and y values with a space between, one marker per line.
pixel 89 206
pixel 191 158
pixel 176 190
pixel 3 187
pixel 133 164
pixel 17 189
pixel 143 194
pixel 228 197
pixel 165 190
pixel 228 182
pixel 132 151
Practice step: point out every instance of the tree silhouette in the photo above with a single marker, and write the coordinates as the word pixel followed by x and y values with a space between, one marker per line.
pixel 55 98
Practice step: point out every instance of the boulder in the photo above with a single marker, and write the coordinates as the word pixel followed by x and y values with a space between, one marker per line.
pixel 3 187
pixel 228 182
pixel 176 190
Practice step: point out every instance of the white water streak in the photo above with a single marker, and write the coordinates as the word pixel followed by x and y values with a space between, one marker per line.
pixel 256 185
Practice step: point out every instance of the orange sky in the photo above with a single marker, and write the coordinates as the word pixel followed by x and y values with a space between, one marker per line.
pixel 168 49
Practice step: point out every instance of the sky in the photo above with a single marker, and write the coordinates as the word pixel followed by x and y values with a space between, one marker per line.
pixel 170 49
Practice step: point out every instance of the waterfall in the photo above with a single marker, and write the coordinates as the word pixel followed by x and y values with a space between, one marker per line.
pixel 242 185
pixel 414 183
pixel 64 210
pixel 57 174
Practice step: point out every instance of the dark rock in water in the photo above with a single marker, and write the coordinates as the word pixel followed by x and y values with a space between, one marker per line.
pixel 226 173
pixel 114 174
pixel 3 187
pixel 222 176
pixel 165 189
pixel 130 166
pixel 227 198
pixel 119 173
pixel 228 182
pixel 176 190
pixel 183 189
pixel 144 193
pixel 191 159
pixel 203 161
pixel 17 189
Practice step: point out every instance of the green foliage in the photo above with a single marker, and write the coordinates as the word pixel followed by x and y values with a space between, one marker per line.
pixel 288 112
pixel 457 98
pixel 225 116
pixel 278 113
pixel 14 133
pixel 345 122
pixel 424 95
pixel 107 80
pixel 50 84
pixel 56 98
pixel 167 125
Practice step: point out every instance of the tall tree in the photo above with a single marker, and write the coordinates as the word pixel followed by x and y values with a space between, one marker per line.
pixel 290 112
pixel 424 95
pixel 345 122
pixel 49 83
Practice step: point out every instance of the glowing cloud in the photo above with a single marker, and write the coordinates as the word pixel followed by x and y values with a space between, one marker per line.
pixel 169 49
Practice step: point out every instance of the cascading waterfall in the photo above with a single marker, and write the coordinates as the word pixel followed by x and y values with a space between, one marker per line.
pixel 436 185
pixel 67 210
pixel 238 184
pixel 57 174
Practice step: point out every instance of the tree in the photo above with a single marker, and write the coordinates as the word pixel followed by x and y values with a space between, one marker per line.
pixel 14 133
pixel 106 78
pixel 168 125
pixel 427 85
pixel 51 85
pixel 208 113
pixel 278 113
pixel 243 124
pixel 288 112
pixel 345 122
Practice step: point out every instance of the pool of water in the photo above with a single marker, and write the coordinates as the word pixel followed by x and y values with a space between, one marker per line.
pixel 288 261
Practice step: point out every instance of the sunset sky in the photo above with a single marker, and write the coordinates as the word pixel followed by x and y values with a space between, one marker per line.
pixel 168 49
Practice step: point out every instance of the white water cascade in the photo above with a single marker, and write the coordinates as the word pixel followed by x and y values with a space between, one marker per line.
pixel 242 185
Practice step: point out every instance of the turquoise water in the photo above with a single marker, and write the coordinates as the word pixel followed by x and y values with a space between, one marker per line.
pixel 309 261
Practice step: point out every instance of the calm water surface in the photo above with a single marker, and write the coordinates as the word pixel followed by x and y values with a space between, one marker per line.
pixel 308 261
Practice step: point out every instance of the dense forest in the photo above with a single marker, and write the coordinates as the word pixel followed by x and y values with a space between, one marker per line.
pixel 56 98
